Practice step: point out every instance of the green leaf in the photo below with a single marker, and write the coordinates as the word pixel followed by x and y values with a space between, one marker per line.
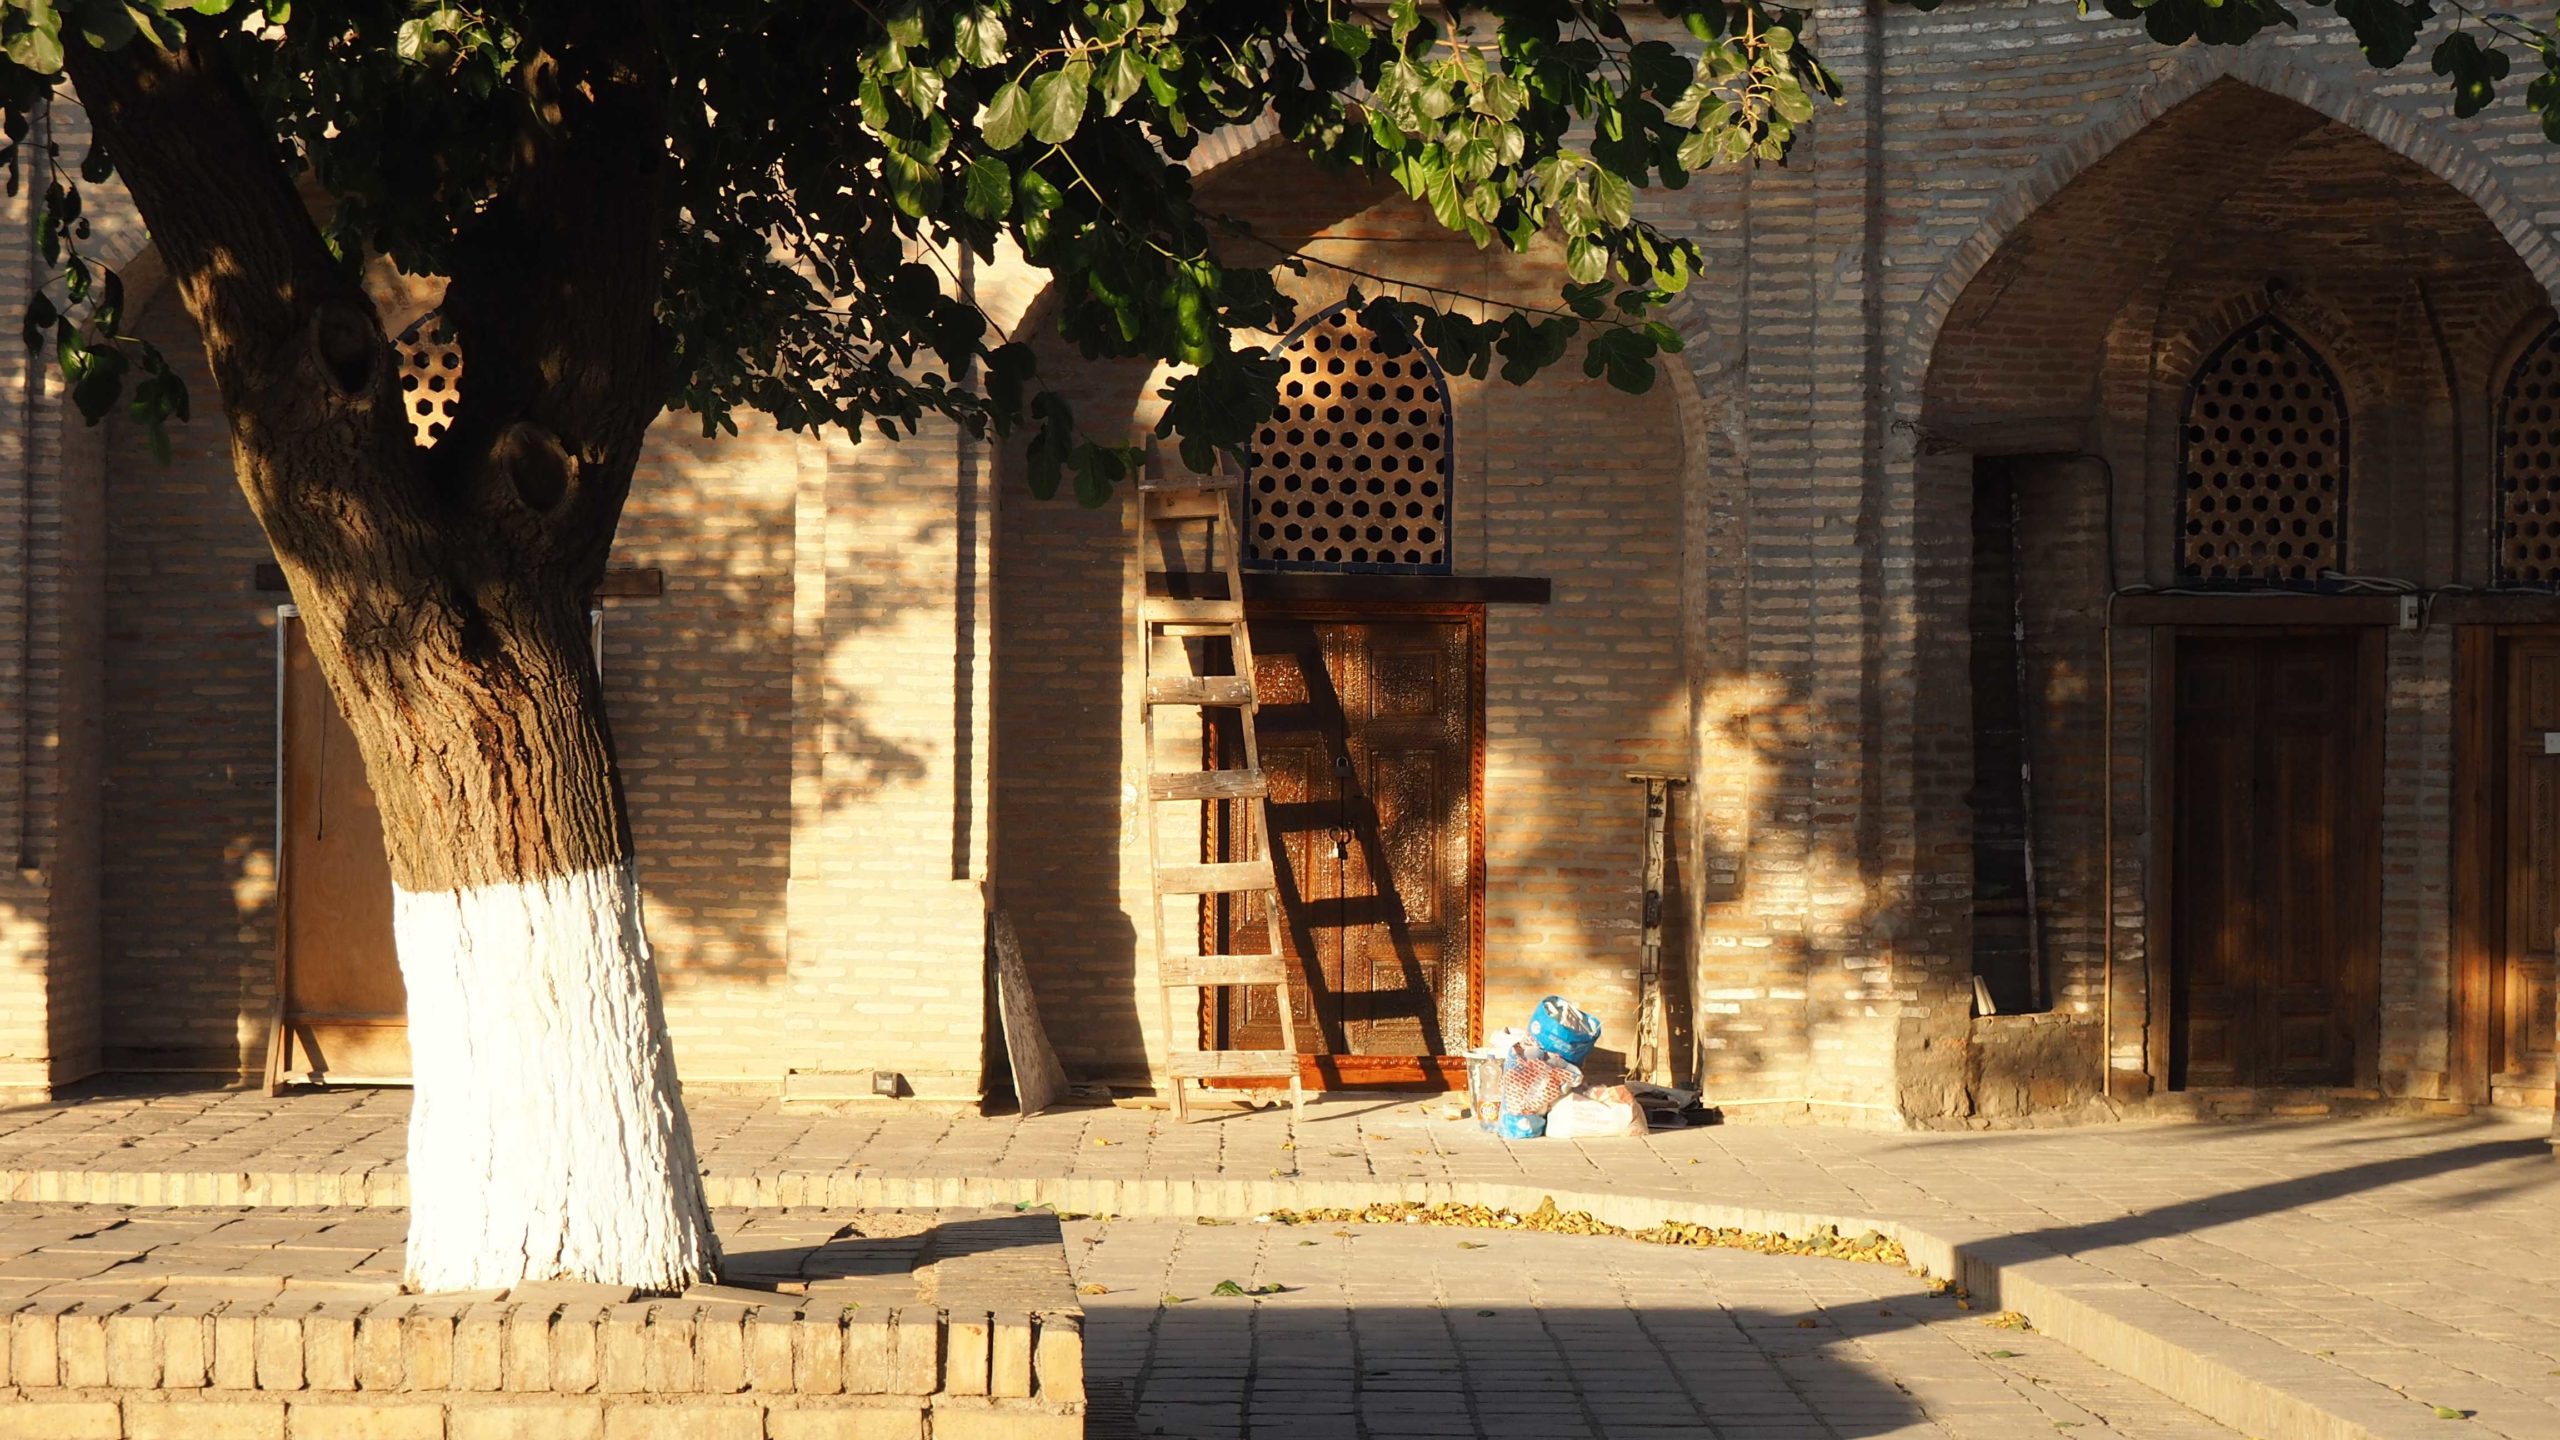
pixel 979 36
pixel 914 188
pixel 1039 200
pixel 987 188
pixel 1057 102
pixel 1121 79
pixel 38 48
pixel 2474 71
pixel 1585 261
pixel 1008 117
pixel 1349 37
pixel 1613 197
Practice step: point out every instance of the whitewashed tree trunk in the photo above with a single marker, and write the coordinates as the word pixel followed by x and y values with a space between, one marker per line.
pixel 445 587
pixel 537 1148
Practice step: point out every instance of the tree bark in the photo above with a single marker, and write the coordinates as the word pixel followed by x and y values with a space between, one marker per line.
pixel 445 595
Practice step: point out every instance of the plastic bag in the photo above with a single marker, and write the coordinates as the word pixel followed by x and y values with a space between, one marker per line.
pixel 1523 1127
pixel 1596 1112
pixel 1564 1029
pixel 1533 1080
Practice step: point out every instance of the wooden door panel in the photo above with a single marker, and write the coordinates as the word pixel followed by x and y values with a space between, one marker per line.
pixel 1294 734
pixel 2522 1021
pixel 1372 765
pixel 345 1009
pixel 2271 896
pixel 2213 839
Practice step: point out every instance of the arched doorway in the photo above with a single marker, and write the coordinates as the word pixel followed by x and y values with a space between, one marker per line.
pixel 2209 481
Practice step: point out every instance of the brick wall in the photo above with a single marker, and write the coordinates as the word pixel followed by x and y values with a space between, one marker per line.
pixel 1577 693
pixel 2015 239
pixel 788 701
pixel 49 699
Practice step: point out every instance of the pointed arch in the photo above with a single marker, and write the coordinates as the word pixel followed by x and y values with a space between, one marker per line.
pixel 2262 462
pixel 1353 471
pixel 2528 465
pixel 2194 71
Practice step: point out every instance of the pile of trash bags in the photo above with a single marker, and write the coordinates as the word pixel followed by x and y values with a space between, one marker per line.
pixel 1528 1083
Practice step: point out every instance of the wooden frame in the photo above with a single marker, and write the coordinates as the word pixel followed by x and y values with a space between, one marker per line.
pixel 2479 814
pixel 2479 900
pixel 2361 840
pixel 1446 1071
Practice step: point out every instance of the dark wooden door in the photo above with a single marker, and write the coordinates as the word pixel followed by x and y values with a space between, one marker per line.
pixel 2275 891
pixel 1369 732
pixel 345 1011
pixel 2521 1018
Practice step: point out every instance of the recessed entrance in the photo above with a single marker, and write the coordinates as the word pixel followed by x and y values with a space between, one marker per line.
pixel 2274 802
pixel 1371 733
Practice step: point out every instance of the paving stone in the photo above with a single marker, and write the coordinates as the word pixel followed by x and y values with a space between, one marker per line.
pixel 365 1418
pixel 517 1419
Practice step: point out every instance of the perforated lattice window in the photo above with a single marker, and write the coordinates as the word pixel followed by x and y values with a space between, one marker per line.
pixel 2262 462
pixel 2529 466
pixel 430 375
pixel 1352 471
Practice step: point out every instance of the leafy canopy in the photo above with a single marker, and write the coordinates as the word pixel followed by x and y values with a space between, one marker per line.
pixel 836 164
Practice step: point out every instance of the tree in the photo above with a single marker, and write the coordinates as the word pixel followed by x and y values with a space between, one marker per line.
pixel 730 203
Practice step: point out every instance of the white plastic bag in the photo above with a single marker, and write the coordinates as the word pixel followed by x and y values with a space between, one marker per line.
pixel 1595 1112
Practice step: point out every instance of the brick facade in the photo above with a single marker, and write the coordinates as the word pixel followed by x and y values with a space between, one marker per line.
pixel 885 688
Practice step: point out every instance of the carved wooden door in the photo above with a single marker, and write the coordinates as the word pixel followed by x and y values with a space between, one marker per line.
pixel 2521 1019
pixel 2275 886
pixel 1369 732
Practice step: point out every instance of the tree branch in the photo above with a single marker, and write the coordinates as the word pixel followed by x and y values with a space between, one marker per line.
pixel 553 298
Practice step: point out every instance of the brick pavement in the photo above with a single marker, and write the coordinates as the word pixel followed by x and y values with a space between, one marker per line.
pixel 1386 1331
pixel 2334 1278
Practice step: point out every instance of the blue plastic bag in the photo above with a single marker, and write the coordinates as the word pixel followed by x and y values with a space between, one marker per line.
pixel 1564 1030
pixel 1516 1126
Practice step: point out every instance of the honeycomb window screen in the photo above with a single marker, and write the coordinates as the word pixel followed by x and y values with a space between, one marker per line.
pixel 1352 471
pixel 2262 463
pixel 430 376
pixel 2529 467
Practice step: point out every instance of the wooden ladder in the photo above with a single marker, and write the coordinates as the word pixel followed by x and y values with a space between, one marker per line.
pixel 1182 607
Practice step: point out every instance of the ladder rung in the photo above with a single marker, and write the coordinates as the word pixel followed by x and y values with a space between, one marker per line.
pixel 1229 879
pixel 1206 785
pixel 1201 690
pixel 1217 1064
pixel 1224 970
pixel 1159 610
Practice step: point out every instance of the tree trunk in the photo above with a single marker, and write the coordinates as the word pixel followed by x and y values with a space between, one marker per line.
pixel 547 1137
pixel 445 594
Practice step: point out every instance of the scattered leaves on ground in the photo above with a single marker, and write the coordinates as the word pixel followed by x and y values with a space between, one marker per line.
pixel 1231 1288
pixel 2007 1320
pixel 1867 1245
